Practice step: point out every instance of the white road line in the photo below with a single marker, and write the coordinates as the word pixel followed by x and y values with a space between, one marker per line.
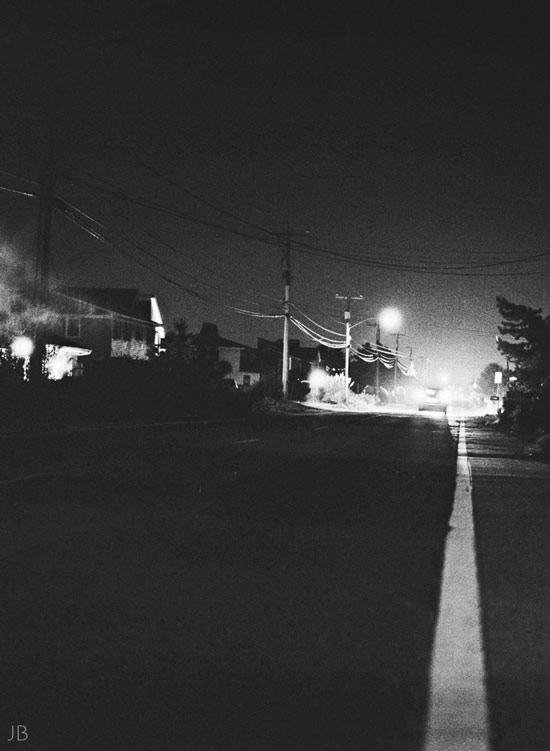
pixel 457 716
pixel 246 440
pixel 323 427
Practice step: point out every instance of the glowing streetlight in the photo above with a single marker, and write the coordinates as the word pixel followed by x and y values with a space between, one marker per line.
pixel 22 347
pixel 390 319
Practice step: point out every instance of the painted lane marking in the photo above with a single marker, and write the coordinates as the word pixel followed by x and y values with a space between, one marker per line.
pixel 323 427
pixel 246 440
pixel 457 715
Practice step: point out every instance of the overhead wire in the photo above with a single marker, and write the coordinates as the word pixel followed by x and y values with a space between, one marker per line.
pixel 201 199
pixel 72 213
pixel 338 255
pixel 362 261
pixel 334 343
pixel 158 239
pixel 330 331
pixel 17 191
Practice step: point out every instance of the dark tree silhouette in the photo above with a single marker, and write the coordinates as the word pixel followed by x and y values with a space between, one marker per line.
pixel 529 348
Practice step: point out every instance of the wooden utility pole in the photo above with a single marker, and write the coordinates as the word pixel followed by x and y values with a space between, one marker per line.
pixel 42 265
pixel 378 343
pixel 286 310
pixel 45 195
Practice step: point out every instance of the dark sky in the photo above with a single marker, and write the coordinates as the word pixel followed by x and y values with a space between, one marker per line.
pixel 417 162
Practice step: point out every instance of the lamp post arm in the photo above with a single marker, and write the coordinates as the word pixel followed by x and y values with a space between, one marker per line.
pixel 375 321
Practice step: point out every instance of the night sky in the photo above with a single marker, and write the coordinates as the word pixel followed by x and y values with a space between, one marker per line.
pixel 419 164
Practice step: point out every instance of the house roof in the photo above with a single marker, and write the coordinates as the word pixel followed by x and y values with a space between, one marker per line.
pixel 126 302
pixel 59 341
pixel 209 336
pixel 302 353
pixel 62 341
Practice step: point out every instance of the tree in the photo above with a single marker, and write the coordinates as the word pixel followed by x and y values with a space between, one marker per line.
pixel 179 344
pixel 486 380
pixel 530 349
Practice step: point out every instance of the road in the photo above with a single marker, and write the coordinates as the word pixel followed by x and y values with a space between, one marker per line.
pixel 271 583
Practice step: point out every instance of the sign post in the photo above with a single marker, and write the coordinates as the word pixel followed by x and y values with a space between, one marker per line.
pixel 498 379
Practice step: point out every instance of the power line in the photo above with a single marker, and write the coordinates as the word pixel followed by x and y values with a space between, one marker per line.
pixel 18 192
pixel 185 190
pixel 362 261
pixel 73 214
pixel 337 255
pixel 172 212
pixel 160 240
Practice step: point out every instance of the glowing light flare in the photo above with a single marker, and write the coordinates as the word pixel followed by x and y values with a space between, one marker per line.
pixel 58 366
pixel 22 347
pixel 318 379
pixel 390 320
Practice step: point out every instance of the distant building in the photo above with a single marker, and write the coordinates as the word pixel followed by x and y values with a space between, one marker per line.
pixel 111 322
pixel 244 361
pixel 301 359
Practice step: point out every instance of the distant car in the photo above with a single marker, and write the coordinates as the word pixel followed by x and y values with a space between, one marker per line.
pixel 433 398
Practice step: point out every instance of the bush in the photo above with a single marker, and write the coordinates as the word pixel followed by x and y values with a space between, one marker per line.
pixel 268 386
pixel 543 444
pixel 526 412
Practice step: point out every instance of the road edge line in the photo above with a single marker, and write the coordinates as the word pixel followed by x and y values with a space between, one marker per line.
pixel 458 713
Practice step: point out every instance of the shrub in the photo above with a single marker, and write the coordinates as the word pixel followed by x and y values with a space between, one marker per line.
pixel 544 446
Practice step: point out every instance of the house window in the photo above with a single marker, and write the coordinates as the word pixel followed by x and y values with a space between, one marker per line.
pixel 72 327
pixel 246 379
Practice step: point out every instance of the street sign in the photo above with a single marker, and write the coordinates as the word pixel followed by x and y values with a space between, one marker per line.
pixel 498 376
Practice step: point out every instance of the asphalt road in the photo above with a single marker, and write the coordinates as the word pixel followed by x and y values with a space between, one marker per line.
pixel 267 584
pixel 511 500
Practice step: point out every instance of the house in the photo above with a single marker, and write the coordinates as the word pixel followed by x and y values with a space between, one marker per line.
pixel 244 361
pixel 111 322
pixel 301 359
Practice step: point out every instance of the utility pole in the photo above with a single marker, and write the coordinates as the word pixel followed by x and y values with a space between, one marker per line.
pixel 377 393
pixel 396 358
pixel 286 310
pixel 42 265
pixel 347 320
pixel 45 195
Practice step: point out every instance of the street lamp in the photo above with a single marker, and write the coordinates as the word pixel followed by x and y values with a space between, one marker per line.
pixel 22 347
pixel 389 319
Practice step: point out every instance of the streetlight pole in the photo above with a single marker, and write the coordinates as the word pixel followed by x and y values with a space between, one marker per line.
pixel 347 319
pixel 390 319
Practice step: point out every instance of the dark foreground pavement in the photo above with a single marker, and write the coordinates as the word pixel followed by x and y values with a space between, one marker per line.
pixel 511 499
pixel 265 585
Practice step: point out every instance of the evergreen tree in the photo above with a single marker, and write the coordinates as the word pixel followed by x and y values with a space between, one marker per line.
pixel 486 380
pixel 179 344
pixel 530 349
